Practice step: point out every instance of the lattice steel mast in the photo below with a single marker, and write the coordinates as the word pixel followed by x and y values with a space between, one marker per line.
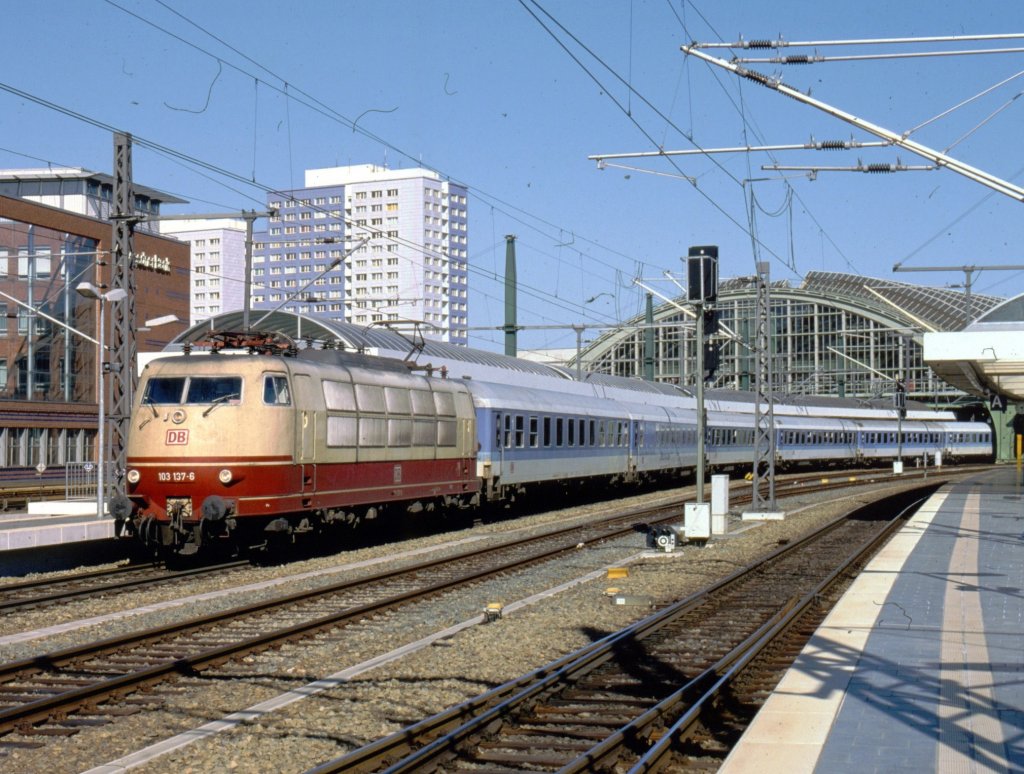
pixel 122 275
pixel 764 412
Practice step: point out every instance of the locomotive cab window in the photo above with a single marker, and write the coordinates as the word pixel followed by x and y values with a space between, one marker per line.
pixel 164 389
pixel 210 389
pixel 193 390
pixel 275 390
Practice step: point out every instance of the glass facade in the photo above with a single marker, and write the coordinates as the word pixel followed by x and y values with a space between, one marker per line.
pixel 40 360
pixel 831 337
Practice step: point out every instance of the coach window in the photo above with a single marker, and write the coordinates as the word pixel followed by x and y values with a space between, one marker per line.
pixel 593 433
pixel 508 431
pixel 497 430
pixel 547 431
pixel 519 431
pixel 559 431
pixel 275 390
pixel 572 432
pixel 533 432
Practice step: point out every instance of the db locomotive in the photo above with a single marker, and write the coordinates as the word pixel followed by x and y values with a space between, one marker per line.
pixel 276 441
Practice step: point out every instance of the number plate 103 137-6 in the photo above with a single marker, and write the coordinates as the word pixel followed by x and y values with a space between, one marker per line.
pixel 176 476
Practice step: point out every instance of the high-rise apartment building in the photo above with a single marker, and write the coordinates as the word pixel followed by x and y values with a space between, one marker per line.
pixel 403 235
pixel 217 277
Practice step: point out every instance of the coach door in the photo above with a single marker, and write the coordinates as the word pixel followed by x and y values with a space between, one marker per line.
pixel 634 445
pixel 305 402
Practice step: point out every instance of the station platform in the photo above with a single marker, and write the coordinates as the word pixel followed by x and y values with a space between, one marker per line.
pixel 51 538
pixel 28 530
pixel 920 667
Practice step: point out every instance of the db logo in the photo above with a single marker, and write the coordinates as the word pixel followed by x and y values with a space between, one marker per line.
pixel 177 438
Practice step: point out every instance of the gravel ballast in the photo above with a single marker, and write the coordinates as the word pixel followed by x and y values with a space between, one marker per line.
pixel 384 699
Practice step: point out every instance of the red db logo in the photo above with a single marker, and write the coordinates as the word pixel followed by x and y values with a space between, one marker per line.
pixel 177 438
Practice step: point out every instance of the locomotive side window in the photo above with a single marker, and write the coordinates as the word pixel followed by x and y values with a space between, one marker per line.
pixel 370 398
pixel 339 396
pixel 164 389
pixel 275 390
pixel 445 404
pixel 423 403
pixel 423 432
pixel 397 400
pixel 399 432
pixel 341 431
pixel 207 389
pixel 446 432
pixel 372 432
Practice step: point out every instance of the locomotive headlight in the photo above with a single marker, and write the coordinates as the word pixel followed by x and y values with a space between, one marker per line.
pixel 133 476
pixel 225 476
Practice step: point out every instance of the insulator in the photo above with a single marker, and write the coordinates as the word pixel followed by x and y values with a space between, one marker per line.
pixel 753 75
pixel 876 168
pixel 796 59
pixel 833 145
pixel 760 44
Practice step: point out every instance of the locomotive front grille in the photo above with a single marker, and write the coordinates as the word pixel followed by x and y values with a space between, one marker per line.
pixel 180 507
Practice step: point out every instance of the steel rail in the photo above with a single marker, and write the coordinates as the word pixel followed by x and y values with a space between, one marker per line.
pixel 152 578
pixel 713 682
pixel 67 701
pixel 450 728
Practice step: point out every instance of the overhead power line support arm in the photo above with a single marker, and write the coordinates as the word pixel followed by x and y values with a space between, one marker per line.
pixel 940 159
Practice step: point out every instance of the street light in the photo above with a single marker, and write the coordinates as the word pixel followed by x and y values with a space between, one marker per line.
pixel 88 290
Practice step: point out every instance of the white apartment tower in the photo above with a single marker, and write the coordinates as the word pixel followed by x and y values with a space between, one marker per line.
pixel 217 278
pixel 405 235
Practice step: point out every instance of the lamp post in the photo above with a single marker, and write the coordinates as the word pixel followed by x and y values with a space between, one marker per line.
pixel 88 290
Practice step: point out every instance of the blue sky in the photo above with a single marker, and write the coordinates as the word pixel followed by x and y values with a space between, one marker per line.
pixel 485 95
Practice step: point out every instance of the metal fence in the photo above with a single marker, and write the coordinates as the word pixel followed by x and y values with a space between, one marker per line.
pixel 80 480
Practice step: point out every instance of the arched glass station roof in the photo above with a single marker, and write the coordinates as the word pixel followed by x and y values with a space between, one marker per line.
pixel 835 334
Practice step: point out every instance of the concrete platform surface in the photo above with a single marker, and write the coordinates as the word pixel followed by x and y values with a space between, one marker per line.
pixel 920 667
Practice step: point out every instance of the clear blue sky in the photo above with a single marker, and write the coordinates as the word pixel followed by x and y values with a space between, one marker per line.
pixel 482 93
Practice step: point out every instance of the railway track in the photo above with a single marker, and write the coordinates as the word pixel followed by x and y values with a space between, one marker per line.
pixel 25 595
pixel 678 686
pixel 56 693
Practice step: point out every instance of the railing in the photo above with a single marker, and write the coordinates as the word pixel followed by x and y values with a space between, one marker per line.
pixel 80 480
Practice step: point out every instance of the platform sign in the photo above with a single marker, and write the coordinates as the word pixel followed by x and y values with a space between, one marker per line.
pixel 996 402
